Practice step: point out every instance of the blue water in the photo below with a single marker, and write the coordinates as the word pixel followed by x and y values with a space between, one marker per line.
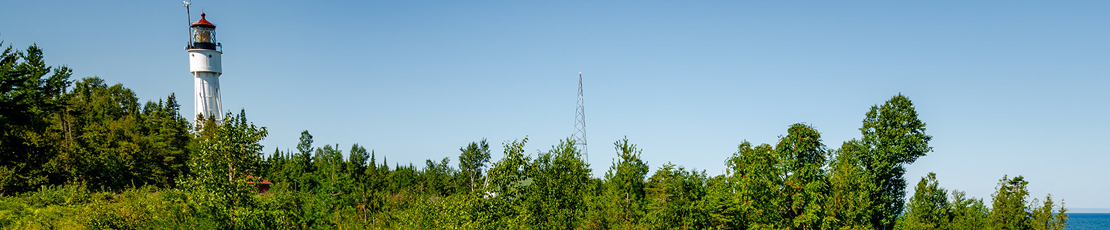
pixel 1088 221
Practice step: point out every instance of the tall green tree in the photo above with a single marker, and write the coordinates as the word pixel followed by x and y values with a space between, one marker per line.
pixel 806 181
pixel 850 187
pixel 783 186
pixel 328 174
pixel 357 162
pixel 438 178
pixel 967 213
pixel 928 207
pixel 1046 217
pixel 894 137
pixel 718 203
pixel 1009 211
pixel 302 163
pixel 756 177
pixel 624 186
pixel 1012 210
pixel 30 94
pixel 557 195
pixel 507 179
pixel 508 174
pixel 168 134
pixel 220 166
pixel 672 196
pixel 472 161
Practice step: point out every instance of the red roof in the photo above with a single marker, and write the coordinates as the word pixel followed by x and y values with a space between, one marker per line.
pixel 203 23
pixel 252 179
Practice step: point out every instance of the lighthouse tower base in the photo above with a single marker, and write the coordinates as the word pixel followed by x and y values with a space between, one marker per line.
pixel 206 69
pixel 207 88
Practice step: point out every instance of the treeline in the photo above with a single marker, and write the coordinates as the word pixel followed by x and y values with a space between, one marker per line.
pixel 87 155
pixel 55 131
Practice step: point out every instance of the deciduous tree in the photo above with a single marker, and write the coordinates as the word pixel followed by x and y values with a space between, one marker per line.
pixel 894 137
pixel 472 161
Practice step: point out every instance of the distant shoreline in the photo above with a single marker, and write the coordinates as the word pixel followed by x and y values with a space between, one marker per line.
pixel 1089 210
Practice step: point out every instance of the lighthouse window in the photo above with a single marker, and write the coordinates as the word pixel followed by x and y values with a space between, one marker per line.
pixel 204 35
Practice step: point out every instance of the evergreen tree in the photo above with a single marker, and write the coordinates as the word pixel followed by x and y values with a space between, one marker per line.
pixel 1009 211
pixel 438 178
pixel 967 213
pixel 624 186
pixel 928 207
pixel 30 94
pixel 302 163
pixel 1045 218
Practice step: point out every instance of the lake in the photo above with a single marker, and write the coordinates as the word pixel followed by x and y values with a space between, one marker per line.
pixel 1088 221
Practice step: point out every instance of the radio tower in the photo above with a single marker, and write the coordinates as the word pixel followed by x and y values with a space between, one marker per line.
pixel 580 121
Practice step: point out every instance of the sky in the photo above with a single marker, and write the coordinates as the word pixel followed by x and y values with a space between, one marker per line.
pixel 1005 87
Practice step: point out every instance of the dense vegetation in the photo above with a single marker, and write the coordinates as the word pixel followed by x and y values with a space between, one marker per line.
pixel 84 154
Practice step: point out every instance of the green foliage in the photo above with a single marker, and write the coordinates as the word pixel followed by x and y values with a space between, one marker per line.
pixel 967 213
pixel 221 164
pixel 756 178
pixel 31 94
pixel 850 187
pixel 472 161
pixel 806 180
pixel 785 186
pixel 1011 210
pixel 928 208
pixel 94 157
pixel 1009 204
pixel 1045 218
pixel 894 137
pixel 302 163
pixel 931 208
pixel 673 197
pixel 112 142
pixel 439 178
pixel 328 174
pixel 623 196
pixel 555 198
pixel 508 174
pixel 95 133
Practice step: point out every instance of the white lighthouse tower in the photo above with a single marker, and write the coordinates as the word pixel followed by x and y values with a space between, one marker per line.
pixel 204 63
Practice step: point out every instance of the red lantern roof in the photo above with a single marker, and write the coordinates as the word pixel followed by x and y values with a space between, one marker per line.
pixel 203 23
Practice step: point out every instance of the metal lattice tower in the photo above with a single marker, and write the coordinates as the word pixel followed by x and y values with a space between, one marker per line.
pixel 580 121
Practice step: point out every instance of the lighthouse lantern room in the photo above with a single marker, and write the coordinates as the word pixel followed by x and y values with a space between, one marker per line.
pixel 204 63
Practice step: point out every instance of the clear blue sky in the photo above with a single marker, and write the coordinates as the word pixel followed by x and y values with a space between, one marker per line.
pixel 1006 87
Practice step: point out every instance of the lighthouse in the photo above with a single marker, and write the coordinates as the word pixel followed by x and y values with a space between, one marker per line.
pixel 204 63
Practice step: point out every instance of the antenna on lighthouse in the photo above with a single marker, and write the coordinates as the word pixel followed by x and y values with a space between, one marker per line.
pixel 188 16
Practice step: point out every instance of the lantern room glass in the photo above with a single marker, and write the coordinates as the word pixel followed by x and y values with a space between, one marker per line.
pixel 204 35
